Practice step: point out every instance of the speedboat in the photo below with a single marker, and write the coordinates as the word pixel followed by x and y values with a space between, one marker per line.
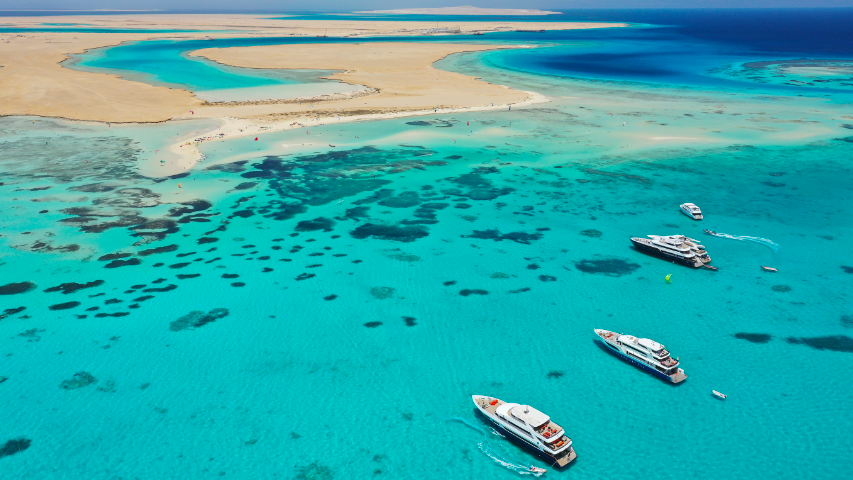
pixel 769 269
pixel 647 354
pixel 709 232
pixel 721 396
pixel 528 427
pixel 677 248
pixel 538 470
pixel 691 210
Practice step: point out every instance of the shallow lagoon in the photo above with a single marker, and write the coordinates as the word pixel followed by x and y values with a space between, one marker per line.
pixel 485 266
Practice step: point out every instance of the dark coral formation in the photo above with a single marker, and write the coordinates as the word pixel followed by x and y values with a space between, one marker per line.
pixel 395 233
pixel 319 223
pixel 754 337
pixel 835 343
pixel 123 263
pixel 15 288
pixel 152 251
pixel 472 291
pixel 314 471
pixel 495 234
pixel 79 380
pixel 11 311
pixel 781 288
pixel 382 292
pixel 113 256
pixel 72 287
pixel 612 267
pixel 197 318
pixel 64 306
pixel 167 288
pixel 14 446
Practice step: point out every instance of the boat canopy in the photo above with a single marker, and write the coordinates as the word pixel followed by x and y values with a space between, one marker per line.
pixel 650 344
pixel 533 417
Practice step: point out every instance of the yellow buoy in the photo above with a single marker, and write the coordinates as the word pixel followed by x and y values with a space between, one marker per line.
pixel 668 278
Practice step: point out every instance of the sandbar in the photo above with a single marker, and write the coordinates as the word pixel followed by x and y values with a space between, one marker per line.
pixel 466 10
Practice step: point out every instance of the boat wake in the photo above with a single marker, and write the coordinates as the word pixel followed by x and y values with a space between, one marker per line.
pixel 495 452
pixel 744 238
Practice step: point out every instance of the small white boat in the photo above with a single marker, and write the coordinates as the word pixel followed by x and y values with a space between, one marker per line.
pixel 769 269
pixel 538 470
pixel 721 396
pixel 692 211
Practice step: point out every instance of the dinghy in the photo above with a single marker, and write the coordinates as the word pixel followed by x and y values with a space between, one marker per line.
pixel 719 395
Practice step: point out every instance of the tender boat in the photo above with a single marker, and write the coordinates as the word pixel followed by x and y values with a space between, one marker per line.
pixel 721 396
pixel 709 232
pixel 538 470
pixel 677 248
pixel 644 353
pixel 691 210
pixel 529 427
pixel 769 269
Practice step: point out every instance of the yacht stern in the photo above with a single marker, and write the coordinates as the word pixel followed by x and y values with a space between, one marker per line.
pixel 679 376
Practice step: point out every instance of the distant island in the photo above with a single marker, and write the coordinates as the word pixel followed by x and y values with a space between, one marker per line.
pixel 466 10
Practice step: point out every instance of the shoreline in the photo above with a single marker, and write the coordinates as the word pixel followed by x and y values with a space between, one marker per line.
pixel 38 82
pixel 189 154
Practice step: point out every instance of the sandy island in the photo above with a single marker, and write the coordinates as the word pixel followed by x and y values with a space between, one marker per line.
pixel 465 10
pixel 398 78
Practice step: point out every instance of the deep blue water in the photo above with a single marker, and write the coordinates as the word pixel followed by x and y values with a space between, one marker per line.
pixel 685 47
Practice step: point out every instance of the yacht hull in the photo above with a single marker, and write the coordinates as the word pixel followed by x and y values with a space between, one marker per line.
pixel 518 440
pixel 618 353
pixel 691 215
pixel 649 250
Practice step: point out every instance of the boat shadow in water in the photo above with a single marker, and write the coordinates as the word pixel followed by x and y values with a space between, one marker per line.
pixel 487 424
pixel 601 346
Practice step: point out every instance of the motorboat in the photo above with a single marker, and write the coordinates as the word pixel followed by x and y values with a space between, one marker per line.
pixel 647 354
pixel 691 210
pixel 721 396
pixel 769 269
pixel 528 427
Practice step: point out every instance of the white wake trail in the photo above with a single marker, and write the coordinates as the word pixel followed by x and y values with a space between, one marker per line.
pixel 495 452
pixel 745 238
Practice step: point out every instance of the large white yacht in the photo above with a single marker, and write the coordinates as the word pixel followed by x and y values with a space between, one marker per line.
pixel 692 211
pixel 529 427
pixel 677 248
pixel 644 353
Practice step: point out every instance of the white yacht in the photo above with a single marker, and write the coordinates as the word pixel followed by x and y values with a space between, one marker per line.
pixel 644 353
pixel 529 427
pixel 692 211
pixel 677 248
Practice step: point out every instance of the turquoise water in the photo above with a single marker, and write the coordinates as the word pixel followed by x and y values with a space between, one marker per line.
pixel 300 311
pixel 167 62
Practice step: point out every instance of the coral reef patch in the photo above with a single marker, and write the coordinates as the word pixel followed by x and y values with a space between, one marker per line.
pixel 197 318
